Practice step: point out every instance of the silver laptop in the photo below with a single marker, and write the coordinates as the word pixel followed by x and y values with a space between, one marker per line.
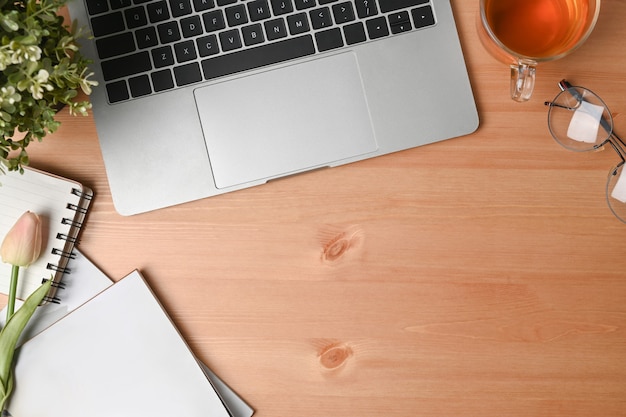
pixel 203 97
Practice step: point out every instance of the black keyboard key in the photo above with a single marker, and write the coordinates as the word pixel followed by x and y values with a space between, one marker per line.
pixel 365 8
pixel 213 20
pixel 136 17
pixel 320 18
pixel 305 4
pixel 422 17
pixel 298 23
pixel 377 27
pixel 207 45
pixel 187 74
pixel 115 45
pixel 168 32
pixel 97 6
pixel 162 57
pixel 107 24
pixel 225 2
pixel 281 7
pixel 354 33
pixel 399 28
pixel 398 18
pixel 325 1
pixel 387 6
pixel 146 37
pixel 139 86
pixel 185 51
pixel 191 26
pixel 158 11
pixel 261 56
pixel 258 10
pixel 117 91
pixel 126 65
pixel 275 29
pixel 343 12
pixel 328 39
pixel 180 7
pixel 252 34
pixel 162 80
pixel 230 40
pixel 120 4
pixel 202 5
pixel 236 15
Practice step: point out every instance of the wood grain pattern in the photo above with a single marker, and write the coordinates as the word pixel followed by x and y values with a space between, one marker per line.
pixel 483 275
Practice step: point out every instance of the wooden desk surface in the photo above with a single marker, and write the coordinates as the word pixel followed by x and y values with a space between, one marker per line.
pixel 481 276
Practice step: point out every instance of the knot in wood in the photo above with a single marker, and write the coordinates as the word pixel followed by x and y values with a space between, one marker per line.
pixel 336 247
pixel 335 356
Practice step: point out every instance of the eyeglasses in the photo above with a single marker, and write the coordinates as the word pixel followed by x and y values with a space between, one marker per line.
pixel 580 121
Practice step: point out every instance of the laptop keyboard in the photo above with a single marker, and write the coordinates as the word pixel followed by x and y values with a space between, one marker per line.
pixel 151 46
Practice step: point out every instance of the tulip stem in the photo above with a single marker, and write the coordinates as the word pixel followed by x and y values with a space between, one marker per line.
pixel 12 291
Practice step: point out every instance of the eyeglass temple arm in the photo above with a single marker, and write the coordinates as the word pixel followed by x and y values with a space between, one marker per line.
pixel 617 145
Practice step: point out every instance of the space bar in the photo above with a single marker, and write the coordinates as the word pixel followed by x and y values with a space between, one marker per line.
pixel 258 57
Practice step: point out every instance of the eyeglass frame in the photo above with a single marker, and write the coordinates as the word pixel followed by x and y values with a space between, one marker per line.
pixel 617 143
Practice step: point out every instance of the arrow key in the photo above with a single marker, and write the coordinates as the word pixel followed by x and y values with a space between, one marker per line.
pixel 377 27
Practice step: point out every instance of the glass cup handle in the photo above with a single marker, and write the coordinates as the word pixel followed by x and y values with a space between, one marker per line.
pixel 522 80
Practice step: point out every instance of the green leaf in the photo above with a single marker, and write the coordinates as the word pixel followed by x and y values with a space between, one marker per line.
pixel 8 24
pixel 27 39
pixel 10 335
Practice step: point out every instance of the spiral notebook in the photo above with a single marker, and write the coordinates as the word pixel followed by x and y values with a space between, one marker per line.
pixel 61 204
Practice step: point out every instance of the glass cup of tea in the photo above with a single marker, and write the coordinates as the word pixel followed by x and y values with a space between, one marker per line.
pixel 524 33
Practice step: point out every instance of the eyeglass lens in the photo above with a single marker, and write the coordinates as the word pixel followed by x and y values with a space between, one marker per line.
pixel 579 120
pixel 616 192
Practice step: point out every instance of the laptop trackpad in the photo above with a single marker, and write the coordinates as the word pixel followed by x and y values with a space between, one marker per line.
pixel 284 121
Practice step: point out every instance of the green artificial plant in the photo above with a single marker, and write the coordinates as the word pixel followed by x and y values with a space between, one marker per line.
pixel 42 72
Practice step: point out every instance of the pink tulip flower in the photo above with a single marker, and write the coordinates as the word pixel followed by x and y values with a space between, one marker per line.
pixel 22 245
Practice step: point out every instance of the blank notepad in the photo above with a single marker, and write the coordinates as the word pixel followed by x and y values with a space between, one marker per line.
pixel 117 355
pixel 61 204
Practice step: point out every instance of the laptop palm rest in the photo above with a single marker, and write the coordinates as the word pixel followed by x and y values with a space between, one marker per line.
pixel 284 121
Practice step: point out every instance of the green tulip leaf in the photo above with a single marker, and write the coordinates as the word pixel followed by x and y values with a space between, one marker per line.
pixel 10 334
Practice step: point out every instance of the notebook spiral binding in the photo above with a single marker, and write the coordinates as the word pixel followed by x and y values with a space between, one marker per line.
pixel 63 236
pixel 81 210
pixel 71 222
pixel 56 268
pixel 79 193
pixel 68 255
pixel 54 299
pixel 72 239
